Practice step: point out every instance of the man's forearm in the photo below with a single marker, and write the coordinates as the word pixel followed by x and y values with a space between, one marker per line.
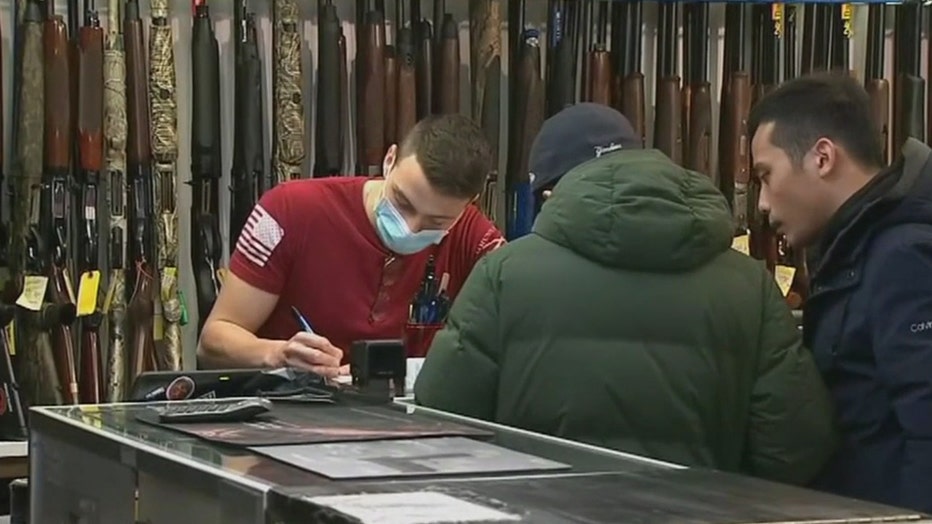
pixel 226 345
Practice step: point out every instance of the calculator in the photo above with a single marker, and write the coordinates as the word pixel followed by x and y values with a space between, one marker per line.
pixel 219 410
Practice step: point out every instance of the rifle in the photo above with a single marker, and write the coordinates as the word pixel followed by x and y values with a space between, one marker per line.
pixel 423 60
pixel 762 240
pixel 248 176
pixel 12 418
pixel 668 123
pixel 485 51
pixel 164 121
pixel 141 307
pixel 56 182
pixel 734 144
pixel 370 130
pixel 115 159
pixel 601 78
pixel 288 110
pixel 27 287
pixel 697 92
pixel 406 94
pixel 206 243
pixel 629 92
pixel 329 150
pixel 908 101
pixel 526 120
pixel 90 153
pixel 874 82
pixel 447 94
pixel 562 47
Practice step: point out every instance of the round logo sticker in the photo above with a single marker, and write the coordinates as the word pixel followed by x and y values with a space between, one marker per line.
pixel 180 389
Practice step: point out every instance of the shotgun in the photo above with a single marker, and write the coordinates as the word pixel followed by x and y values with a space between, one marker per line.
pixel 668 122
pixel 164 120
pixel 629 94
pixel 562 47
pixel 141 308
pixel 248 177
pixel 485 52
pixel 447 93
pixel 288 109
pixel 329 133
pixel 874 81
pixel 90 155
pixel 423 60
pixel 206 243
pixel 371 107
pixel 734 143
pixel 115 121
pixel 697 92
pixel 909 97
pixel 406 91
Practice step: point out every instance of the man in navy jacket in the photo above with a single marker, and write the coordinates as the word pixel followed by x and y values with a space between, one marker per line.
pixel 868 232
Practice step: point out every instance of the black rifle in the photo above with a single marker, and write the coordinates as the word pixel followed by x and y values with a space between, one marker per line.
pixel 206 243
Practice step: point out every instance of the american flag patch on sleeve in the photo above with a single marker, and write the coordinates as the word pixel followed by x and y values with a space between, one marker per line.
pixel 260 237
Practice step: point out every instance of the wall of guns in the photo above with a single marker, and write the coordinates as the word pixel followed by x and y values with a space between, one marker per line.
pixel 138 133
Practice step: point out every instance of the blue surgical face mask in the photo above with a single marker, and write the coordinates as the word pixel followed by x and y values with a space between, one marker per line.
pixel 397 236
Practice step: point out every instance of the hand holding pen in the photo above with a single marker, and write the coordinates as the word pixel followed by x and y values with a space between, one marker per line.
pixel 309 351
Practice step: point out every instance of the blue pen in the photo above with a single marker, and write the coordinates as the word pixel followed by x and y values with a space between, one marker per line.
pixel 305 325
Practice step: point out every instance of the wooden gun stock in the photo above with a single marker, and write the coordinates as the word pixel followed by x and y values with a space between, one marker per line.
pixel 879 91
pixel 600 77
pixel 391 96
pixel 448 68
pixel 371 128
pixel 698 128
pixel 669 122
pixel 406 94
pixel 632 103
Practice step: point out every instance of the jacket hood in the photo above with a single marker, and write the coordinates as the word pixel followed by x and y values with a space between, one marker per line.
pixel 913 190
pixel 637 210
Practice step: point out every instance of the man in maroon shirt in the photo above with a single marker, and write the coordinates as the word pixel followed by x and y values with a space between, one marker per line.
pixel 350 253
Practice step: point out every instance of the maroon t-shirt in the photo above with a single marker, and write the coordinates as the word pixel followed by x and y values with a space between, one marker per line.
pixel 312 243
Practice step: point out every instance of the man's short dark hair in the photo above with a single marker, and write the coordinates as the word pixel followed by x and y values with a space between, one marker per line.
pixel 822 105
pixel 453 152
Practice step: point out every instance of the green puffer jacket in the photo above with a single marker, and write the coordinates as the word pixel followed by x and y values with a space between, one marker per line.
pixel 626 321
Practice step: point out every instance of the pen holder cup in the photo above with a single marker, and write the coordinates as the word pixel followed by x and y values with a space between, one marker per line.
pixel 417 338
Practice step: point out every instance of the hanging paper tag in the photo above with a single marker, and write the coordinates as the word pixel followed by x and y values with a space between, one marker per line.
pixel 847 18
pixel 33 294
pixel 776 14
pixel 68 287
pixel 88 289
pixel 740 244
pixel 784 277
pixel 10 334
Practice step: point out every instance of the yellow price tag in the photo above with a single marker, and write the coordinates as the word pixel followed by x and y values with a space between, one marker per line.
pixel 88 289
pixel 169 278
pixel 776 14
pixel 10 334
pixel 741 244
pixel 33 294
pixel 847 16
pixel 784 277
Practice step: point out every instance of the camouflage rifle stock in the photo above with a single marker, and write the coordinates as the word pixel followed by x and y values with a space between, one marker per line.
pixel 115 162
pixel 141 308
pixel 288 109
pixel 328 155
pixel 206 243
pixel 90 153
pixel 485 55
pixel 164 121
